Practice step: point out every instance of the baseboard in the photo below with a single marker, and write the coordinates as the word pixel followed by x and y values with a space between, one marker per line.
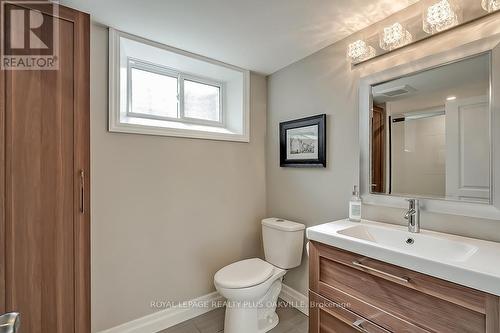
pixel 295 299
pixel 170 317
pixel 175 315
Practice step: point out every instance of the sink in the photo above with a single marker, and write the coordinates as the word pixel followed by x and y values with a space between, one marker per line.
pixel 466 261
pixel 413 244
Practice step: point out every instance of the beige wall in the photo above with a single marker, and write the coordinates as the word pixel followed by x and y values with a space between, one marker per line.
pixel 325 83
pixel 167 213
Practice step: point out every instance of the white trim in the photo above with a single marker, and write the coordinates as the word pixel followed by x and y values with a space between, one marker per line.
pixel 295 299
pixel 180 133
pixel 170 317
pixel 476 210
pixel 209 132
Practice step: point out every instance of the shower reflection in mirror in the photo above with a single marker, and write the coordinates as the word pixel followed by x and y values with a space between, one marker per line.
pixel 430 133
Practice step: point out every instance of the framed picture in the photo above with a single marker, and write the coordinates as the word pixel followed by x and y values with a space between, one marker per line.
pixel 303 142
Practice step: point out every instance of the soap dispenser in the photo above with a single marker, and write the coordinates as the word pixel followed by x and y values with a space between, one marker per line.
pixel 355 206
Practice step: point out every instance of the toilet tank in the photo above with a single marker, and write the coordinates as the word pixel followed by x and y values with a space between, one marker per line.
pixel 283 242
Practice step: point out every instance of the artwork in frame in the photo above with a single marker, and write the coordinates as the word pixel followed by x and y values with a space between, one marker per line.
pixel 303 142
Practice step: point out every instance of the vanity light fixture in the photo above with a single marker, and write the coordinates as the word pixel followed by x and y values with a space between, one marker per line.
pixel 360 51
pixel 451 98
pixel 394 36
pixel 442 15
pixel 490 5
pixel 436 16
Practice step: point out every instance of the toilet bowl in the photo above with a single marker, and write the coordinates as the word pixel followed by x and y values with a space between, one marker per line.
pixel 252 286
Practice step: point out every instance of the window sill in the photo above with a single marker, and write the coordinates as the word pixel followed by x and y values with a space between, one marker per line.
pixel 136 125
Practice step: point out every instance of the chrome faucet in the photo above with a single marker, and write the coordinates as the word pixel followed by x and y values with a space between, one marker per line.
pixel 413 216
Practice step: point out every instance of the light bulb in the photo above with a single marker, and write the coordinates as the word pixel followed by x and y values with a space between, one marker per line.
pixel 360 51
pixel 394 36
pixel 441 16
pixel 490 5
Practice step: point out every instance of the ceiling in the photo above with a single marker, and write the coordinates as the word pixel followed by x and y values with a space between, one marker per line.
pixel 260 35
pixel 460 79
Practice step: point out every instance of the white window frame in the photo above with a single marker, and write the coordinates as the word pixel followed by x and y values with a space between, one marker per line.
pixel 142 65
pixel 235 118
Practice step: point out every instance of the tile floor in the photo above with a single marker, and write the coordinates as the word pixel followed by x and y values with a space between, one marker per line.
pixel 291 321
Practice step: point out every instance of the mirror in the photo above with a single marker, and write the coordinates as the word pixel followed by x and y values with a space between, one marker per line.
pixel 430 133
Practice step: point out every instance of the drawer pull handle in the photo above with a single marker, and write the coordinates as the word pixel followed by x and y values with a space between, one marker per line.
pixel 398 278
pixel 358 325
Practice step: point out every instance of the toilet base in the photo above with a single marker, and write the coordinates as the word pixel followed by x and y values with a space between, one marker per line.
pixel 269 324
pixel 253 317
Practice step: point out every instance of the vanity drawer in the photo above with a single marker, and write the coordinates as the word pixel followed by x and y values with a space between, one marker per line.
pixel 395 298
pixel 328 317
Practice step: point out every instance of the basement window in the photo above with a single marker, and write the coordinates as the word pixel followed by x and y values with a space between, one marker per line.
pixel 158 90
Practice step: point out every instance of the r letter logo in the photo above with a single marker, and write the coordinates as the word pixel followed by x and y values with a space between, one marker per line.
pixel 29 32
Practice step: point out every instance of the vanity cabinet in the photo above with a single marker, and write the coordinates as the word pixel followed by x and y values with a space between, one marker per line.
pixel 353 293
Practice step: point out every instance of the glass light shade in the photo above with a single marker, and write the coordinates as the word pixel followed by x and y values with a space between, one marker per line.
pixel 490 5
pixel 359 51
pixel 394 36
pixel 442 15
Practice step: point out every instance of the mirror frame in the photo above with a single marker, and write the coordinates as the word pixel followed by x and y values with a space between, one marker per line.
pixel 478 210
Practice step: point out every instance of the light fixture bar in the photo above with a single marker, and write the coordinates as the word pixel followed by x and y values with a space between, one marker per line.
pixel 436 17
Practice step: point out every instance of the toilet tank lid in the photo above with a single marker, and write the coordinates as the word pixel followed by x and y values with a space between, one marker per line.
pixel 281 224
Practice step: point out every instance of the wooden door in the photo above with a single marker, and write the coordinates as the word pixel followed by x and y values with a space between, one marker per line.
pixel 378 150
pixel 44 177
pixel 468 148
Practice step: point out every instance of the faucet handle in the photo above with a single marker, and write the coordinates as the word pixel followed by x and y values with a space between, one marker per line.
pixel 410 212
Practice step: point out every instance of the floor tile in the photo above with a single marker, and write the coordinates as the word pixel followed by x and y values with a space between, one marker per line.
pixel 211 322
pixel 185 327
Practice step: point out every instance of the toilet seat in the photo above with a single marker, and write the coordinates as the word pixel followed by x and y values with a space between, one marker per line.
pixel 244 274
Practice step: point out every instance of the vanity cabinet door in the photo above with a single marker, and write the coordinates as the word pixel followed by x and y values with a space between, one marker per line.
pixel 328 317
pixel 398 299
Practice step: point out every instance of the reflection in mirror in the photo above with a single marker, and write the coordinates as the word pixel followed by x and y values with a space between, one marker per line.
pixel 430 133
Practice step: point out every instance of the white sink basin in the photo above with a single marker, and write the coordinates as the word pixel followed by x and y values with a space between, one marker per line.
pixel 466 261
pixel 414 244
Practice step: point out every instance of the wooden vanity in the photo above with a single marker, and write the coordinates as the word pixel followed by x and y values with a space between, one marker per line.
pixel 353 293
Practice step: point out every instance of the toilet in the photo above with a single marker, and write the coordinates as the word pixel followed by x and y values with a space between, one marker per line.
pixel 252 286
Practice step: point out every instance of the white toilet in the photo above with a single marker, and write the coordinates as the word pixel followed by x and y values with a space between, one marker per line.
pixel 252 286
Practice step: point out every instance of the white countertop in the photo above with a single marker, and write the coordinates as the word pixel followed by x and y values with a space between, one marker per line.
pixel 470 262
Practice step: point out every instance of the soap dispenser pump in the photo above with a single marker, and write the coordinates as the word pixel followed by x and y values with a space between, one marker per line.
pixel 355 206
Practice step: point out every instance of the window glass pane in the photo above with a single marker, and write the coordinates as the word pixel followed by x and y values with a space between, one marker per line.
pixel 154 94
pixel 201 101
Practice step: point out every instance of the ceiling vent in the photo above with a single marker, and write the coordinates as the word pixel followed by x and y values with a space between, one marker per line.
pixel 396 91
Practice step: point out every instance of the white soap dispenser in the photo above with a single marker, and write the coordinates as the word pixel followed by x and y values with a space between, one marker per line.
pixel 355 206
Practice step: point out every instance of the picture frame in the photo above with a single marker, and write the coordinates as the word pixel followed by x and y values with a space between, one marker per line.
pixel 303 142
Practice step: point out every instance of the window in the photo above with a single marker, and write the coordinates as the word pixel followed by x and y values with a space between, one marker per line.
pixel 161 93
pixel 155 89
pixel 152 93
pixel 202 101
